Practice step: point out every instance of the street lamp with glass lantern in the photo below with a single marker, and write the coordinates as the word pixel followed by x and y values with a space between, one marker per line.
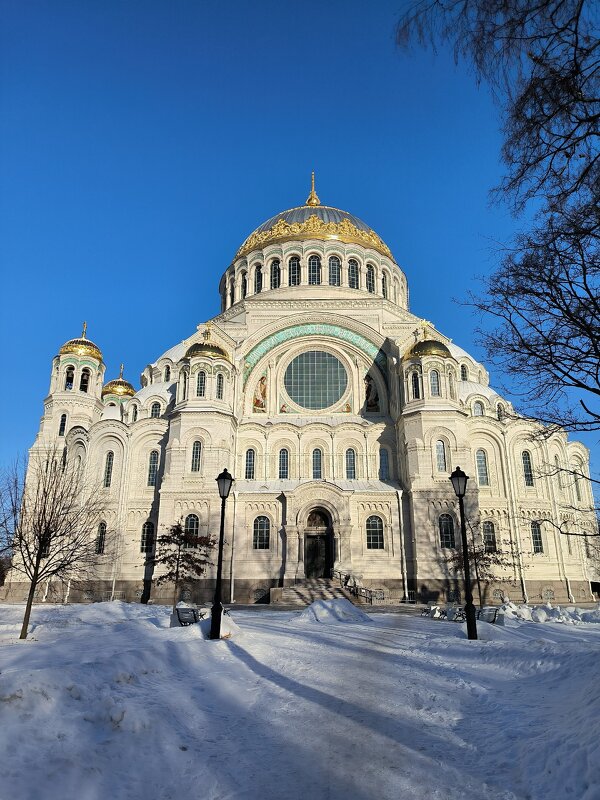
pixel 224 482
pixel 459 483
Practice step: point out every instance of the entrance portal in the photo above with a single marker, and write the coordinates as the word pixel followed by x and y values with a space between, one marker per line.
pixel 318 545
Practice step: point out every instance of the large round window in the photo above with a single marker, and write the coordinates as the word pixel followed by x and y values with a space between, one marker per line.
pixel 315 380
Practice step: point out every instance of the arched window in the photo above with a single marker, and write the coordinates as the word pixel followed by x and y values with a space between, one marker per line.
pixel 314 270
pixel 464 375
pixel 384 464
pixel 350 464
pixel 108 469
pixel 250 462
pixel 478 409
pixel 317 464
pixel 500 411
pixel 184 384
pixel 384 285
pixel 335 266
pixel 275 273
pixel 558 473
pixel 434 383
pixel 374 528
pixel 294 271
pixel 483 478
pixel 527 468
pixel 155 410
pixel 231 292
pixel 134 413
pixel 64 459
pixel 440 456
pixel 84 381
pixel 69 378
pixel 370 278
pixel 63 425
pixel 414 380
pixel 244 284
pixel 191 528
pixel 446 524
pixel 152 468
pixel 196 456
pixel 257 279
pixel 284 464
pixel 577 478
pixel 451 386
pixel 220 385
pixel 489 537
pixel 260 535
pixel 167 375
pixel 536 537
pixel 147 540
pixel 201 384
pixel 101 539
pixel 353 273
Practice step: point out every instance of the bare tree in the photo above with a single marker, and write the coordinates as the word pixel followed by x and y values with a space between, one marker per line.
pixel 49 521
pixel 183 555
pixel 542 60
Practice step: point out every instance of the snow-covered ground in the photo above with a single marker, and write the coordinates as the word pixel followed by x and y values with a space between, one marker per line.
pixel 106 701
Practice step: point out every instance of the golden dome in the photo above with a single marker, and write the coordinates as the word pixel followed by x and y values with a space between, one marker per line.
pixel 81 346
pixel 119 387
pixel 314 221
pixel 429 347
pixel 207 349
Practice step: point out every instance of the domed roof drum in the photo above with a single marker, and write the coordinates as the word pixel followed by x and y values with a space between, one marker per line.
pixel 314 221
pixel 119 387
pixel 81 347
pixel 428 347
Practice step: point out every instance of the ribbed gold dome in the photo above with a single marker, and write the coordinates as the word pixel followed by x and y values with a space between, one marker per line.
pixel 429 347
pixel 81 346
pixel 119 387
pixel 207 349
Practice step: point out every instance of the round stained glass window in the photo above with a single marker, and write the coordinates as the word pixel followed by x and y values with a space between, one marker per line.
pixel 315 380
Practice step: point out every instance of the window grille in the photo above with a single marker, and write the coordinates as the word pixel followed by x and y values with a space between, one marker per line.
pixel 446 524
pixel 152 468
pixel 464 375
pixel 527 468
pixel 275 274
pixel 317 464
pixel 536 537
pixel 258 282
pixel 350 464
pixel 261 533
pixel 374 528
pixel 147 540
pixel 196 456
pixel 370 279
pixel 155 410
pixel 434 383
pixel 353 282
pixel 201 384
pixel 284 464
pixel 489 537
pixel 334 271
pixel 250 462
pixel 294 271
pixel 314 270
pixel 220 385
pixel 108 469
pixel 440 454
pixel 483 478
pixel 192 526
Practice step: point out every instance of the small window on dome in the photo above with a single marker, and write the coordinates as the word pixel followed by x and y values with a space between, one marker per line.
pixel 201 384
pixel 134 413
pixel 314 270
pixel 275 274
pixel 294 271
pixel 384 285
pixel 155 410
pixel 258 279
pixel 464 374
pixel 334 271
pixel 434 383
pixel 478 409
pixel 231 293
pixel 370 278
pixel 220 385
pixel 244 285
pixel 416 390
pixel 353 273
pixel 167 375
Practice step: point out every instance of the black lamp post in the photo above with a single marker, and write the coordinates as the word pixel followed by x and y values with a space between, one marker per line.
pixel 224 482
pixel 459 484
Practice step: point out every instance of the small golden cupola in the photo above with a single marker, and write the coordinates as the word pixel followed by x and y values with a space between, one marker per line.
pixel 119 387
pixel 81 347
pixel 206 348
pixel 428 347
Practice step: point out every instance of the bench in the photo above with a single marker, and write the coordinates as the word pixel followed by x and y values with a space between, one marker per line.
pixel 189 616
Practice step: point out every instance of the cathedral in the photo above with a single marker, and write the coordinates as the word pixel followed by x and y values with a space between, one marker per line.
pixel 340 415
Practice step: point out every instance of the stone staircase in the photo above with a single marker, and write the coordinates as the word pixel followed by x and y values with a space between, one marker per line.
pixel 307 591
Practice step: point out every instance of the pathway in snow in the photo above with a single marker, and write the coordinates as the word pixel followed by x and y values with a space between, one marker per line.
pixel 109 702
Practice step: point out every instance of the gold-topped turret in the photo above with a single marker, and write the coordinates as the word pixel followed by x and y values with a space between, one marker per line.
pixel 81 346
pixel 119 387
pixel 313 198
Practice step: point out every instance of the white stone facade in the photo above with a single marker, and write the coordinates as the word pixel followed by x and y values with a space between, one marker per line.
pixel 391 405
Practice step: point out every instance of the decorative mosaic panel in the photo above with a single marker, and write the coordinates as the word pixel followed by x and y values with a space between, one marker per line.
pixel 314 329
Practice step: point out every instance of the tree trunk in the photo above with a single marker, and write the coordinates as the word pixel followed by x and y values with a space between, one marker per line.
pixel 30 596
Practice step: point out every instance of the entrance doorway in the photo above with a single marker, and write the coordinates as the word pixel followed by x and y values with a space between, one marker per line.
pixel 318 545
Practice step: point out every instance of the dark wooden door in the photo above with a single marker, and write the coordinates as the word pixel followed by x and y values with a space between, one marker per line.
pixel 315 555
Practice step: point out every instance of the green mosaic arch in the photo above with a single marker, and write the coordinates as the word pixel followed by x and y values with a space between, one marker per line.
pixel 318 329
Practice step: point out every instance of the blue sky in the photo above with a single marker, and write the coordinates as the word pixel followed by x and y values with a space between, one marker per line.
pixel 141 142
